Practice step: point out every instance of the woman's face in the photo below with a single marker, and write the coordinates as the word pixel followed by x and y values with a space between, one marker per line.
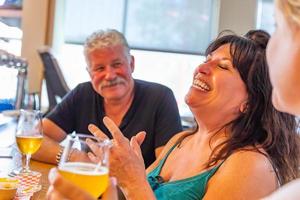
pixel 217 86
pixel 283 56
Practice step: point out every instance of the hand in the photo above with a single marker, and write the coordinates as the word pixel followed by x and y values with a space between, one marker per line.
pixel 61 188
pixel 126 161
pixel 76 155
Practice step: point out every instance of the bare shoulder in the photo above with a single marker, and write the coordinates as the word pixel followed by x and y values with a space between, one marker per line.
pixel 251 160
pixel 166 148
pixel 246 174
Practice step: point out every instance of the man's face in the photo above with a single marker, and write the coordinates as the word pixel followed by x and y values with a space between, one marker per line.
pixel 111 72
pixel 283 54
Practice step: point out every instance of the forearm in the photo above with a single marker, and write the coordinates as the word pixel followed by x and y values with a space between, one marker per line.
pixel 48 151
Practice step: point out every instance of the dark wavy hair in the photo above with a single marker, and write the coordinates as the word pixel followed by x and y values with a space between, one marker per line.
pixel 260 126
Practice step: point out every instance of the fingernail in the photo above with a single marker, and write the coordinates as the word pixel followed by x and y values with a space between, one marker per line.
pixel 113 181
pixel 88 141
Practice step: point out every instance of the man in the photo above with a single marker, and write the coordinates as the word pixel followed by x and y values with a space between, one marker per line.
pixel 134 105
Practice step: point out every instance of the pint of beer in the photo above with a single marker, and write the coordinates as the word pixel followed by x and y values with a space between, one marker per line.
pixel 89 176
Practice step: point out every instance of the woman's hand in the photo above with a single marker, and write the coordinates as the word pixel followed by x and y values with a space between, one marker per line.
pixel 126 160
pixel 60 188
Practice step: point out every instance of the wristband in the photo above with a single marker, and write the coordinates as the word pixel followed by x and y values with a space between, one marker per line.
pixel 58 155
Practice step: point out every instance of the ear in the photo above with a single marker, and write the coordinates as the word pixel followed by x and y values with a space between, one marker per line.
pixel 244 107
pixel 132 63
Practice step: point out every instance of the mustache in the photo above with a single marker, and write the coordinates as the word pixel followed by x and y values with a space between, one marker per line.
pixel 109 83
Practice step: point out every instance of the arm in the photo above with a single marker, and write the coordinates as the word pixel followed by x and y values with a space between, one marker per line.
pixel 50 147
pixel 244 175
pixel 61 118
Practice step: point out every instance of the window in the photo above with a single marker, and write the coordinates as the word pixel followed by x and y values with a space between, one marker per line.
pixel 93 15
pixel 265 15
pixel 171 69
pixel 154 25
pixel 10 26
pixel 147 25
pixel 10 41
pixel 164 36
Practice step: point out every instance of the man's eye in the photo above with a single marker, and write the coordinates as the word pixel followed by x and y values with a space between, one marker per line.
pixel 115 65
pixel 99 69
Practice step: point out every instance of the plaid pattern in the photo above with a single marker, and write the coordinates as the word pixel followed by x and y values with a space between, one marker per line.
pixel 28 184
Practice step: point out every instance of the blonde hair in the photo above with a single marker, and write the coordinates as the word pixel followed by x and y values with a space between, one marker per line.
pixel 291 10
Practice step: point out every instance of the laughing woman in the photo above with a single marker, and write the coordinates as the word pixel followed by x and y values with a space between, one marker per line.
pixel 242 147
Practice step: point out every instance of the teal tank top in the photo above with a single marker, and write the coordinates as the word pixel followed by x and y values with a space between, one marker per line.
pixel 192 188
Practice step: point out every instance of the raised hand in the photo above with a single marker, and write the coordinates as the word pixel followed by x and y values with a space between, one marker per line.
pixel 125 156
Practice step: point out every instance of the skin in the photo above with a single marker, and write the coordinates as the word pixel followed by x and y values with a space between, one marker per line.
pixel 110 70
pixel 283 55
pixel 109 64
pixel 217 71
pixel 237 178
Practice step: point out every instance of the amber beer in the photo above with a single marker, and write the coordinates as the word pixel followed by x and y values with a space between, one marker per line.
pixel 87 176
pixel 29 144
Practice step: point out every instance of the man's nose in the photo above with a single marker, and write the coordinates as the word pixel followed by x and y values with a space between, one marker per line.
pixel 110 73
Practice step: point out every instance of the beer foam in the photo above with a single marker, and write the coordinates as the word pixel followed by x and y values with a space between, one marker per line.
pixel 29 136
pixel 83 168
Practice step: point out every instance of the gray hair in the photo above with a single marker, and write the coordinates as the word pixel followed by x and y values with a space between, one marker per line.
pixel 105 38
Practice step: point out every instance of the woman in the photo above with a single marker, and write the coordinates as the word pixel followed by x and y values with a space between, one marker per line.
pixel 241 141
pixel 283 54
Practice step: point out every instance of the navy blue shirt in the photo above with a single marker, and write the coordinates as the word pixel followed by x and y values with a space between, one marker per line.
pixel 154 110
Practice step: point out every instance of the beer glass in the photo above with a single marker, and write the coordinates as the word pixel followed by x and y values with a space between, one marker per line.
pixel 89 176
pixel 29 135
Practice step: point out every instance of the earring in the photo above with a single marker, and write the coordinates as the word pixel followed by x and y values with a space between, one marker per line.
pixel 244 107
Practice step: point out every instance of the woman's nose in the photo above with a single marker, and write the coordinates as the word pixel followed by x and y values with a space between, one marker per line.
pixel 205 68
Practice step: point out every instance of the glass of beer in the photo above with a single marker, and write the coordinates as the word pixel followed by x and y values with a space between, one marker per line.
pixel 29 135
pixel 75 165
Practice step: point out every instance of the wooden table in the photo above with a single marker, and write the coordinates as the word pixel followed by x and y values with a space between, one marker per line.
pixel 7 138
pixel 7 165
